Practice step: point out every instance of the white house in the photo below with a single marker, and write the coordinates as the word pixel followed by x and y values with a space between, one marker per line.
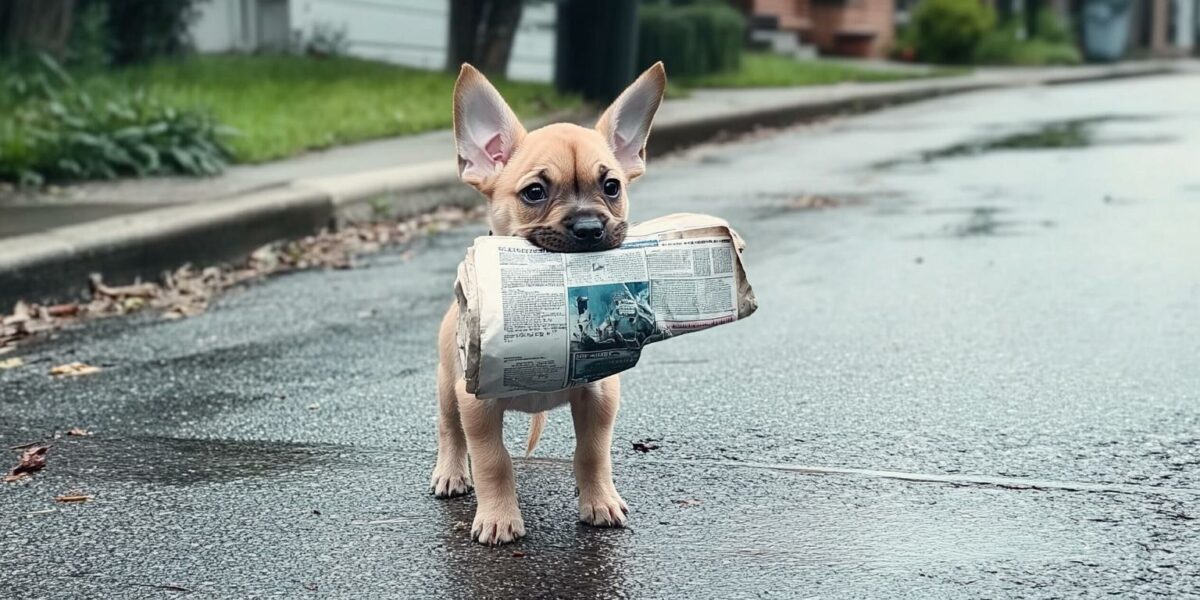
pixel 408 32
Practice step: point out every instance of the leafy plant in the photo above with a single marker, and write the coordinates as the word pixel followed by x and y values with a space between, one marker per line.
pixel 325 40
pixel 59 131
pixel 948 31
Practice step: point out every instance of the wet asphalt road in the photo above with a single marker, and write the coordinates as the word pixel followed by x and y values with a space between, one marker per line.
pixel 973 376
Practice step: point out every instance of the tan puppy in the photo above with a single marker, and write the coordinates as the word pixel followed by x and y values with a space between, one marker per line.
pixel 563 188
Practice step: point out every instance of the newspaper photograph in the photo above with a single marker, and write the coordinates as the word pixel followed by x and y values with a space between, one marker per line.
pixel 531 320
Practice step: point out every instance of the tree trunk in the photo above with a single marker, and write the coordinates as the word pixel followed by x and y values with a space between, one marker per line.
pixel 496 41
pixel 464 32
pixel 482 33
pixel 39 25
pixel 1032 8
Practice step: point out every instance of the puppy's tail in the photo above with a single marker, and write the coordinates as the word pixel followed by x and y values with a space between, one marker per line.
pixel 535 431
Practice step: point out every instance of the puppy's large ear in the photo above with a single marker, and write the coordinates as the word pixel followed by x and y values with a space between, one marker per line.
pixel 485 129
pixel 626 124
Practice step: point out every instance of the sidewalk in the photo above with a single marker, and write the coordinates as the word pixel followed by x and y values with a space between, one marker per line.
pixel 110 222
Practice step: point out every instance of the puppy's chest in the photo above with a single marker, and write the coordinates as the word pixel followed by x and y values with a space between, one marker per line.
pixel 535 403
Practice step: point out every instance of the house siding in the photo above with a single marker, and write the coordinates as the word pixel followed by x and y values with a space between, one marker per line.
pixel 408 32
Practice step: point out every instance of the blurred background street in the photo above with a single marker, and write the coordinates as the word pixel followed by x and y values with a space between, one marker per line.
pixel 229 229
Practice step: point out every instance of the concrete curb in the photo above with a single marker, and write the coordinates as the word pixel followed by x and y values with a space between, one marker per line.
pixel 57 262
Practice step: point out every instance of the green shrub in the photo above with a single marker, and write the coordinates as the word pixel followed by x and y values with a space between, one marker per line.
pixel 1000 45
pixel 58 131
pixel 719 34
pixel 1004 46
pixel 948 31
pixel 663 37
pixel 691 40
pixel 1050 28
pixel 1038 52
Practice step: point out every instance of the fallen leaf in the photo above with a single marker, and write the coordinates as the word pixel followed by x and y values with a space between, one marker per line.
pixel 645 445
pixel 518 554
pixel 78 432
pixel 33 459
pixel 11 363
pixel 63 310
pixel 74 369
pixel 140 290
pixel 814 201
pixel 21 313
pixel 72 497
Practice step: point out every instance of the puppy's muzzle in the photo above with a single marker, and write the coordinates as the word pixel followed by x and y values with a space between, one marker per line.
pixel 583 233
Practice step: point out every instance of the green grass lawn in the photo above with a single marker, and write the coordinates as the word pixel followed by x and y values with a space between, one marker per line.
pixel 283 105
pixel 772 70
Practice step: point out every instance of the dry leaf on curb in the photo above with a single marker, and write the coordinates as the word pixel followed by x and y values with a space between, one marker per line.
pixel 21 313
pixel 63 310
pixel 78 432
pixel 11 363
pixel 74 369
pixel 33 459
pixel 187 291
pixel 137 290
pixel 72 497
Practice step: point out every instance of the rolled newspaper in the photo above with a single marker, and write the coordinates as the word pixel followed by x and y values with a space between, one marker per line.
pixel 530 320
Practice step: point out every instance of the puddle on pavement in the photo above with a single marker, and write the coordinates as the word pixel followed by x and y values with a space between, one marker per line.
pixel 985 221
pixel 1054 135
pixel 784 203
pixel 183 462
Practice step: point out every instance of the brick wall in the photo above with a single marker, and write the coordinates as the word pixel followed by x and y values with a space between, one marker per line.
pixel 862 28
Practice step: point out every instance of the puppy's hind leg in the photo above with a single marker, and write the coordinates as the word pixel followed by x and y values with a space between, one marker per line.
pixel 450 477
pixel 594 409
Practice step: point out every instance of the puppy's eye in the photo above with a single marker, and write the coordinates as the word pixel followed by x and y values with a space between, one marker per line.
pixel 534 193
pixel 612 188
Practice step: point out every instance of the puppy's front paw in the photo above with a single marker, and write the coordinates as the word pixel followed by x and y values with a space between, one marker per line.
pixel 448 483
pixel 603 509
pixel 497 526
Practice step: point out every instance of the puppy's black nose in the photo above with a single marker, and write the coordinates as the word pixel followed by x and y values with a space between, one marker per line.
pixel 588 230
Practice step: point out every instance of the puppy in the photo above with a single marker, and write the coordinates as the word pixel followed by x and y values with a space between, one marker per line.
pixel 562 187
